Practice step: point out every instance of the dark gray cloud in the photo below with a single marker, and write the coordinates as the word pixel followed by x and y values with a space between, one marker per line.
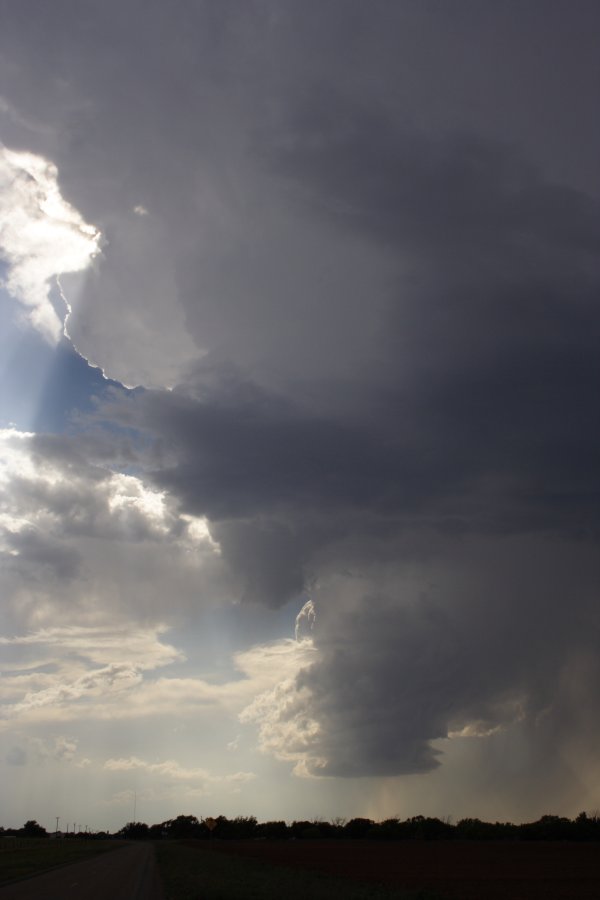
pixel 203 115
pixel 480 411
pixel 476 454
pixel 479 408
pixel 37 555
pixel 483 635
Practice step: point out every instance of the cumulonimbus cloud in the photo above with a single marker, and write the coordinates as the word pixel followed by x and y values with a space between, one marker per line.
pixel 382 338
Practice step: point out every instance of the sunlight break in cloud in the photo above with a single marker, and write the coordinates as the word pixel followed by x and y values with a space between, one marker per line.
pixel 47 497
pixel 104 645
pixel 41 235
pixel 286 728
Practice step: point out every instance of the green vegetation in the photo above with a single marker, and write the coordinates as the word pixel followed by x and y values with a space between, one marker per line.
pixel 22 857
pixel 191 873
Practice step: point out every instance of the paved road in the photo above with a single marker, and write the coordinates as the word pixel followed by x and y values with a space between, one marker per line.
pixel 128 873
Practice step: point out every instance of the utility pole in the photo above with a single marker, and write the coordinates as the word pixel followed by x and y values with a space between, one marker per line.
pixel 134 805
pixel 57 818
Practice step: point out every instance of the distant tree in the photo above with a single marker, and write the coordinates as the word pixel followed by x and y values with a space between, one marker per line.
pixel 586 828
pixel 474 829
pixel 240 828
pixel 388 830
pixel 357 828
pixel 329 831
pixel 135 831
pixel 313 832
pixel 243 827
pixel 548 828
pixel 297 828
pixel 32 829
pixel 273 831
pixel 183 827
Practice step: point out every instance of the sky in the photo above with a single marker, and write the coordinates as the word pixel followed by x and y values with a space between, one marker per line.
pixel 299 430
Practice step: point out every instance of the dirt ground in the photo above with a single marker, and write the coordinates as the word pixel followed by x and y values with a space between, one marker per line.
pixel 128 873
pixel 460 870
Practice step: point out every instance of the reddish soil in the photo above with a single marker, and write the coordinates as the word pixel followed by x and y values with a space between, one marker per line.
pixel 460 870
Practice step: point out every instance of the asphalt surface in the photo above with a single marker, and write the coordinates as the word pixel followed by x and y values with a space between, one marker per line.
pixel 128 873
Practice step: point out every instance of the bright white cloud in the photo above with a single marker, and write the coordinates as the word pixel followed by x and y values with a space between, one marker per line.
pixel 107 674
pixel 281 711
pixel 172 770
pixel 41 235
pixel 60 494
pixel 104 644
pixel 286 727
pixel 306 621
pixel 77 536
pixel 55 494
pixel 87 666
pixel 113 678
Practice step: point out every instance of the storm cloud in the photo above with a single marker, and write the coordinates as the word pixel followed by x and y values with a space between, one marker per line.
pixel 470 454
pixel 357 281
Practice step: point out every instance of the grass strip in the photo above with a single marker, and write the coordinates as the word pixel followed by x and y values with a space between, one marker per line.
pixel 24 861
pixel 201 874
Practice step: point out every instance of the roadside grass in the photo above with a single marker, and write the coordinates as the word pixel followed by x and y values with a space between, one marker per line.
pixel 32 857
pixel 201 874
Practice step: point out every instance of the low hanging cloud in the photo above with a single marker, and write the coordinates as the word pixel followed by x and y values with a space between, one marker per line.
pixel 41 236
pixel 481 637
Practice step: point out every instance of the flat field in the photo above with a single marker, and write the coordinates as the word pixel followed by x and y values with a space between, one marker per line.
pixel 191 871
pixel 460 870
pixel 25 857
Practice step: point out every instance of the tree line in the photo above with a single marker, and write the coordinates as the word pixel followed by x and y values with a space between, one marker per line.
pixel 32 829
pixel 548 828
